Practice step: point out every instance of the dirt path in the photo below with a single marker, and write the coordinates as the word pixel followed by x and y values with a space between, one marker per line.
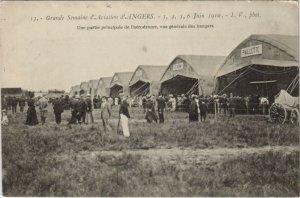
pixel 206 157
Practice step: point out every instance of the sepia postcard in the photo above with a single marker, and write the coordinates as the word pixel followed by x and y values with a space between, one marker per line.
pixel 149 98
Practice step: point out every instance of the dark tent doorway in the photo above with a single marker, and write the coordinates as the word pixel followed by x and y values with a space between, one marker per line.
pixel 115 91
pixel 180 85
pixel 140 88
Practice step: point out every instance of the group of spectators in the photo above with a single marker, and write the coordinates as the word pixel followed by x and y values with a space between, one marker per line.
pixel 82 107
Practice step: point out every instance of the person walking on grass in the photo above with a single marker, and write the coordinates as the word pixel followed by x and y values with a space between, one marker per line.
pixel 124 115
pixel 43 104
pixel 58 108
pixel 105 113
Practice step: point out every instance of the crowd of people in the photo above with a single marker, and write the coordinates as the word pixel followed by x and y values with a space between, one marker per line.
pixel 82 107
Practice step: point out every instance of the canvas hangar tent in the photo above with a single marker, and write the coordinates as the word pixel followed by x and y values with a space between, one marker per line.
pixel 84 88
pixel 261 65
pixel 103 87
pixel 190 74
pixel 120 83
pixel 92 87
pixel 145 80
pixel 74 90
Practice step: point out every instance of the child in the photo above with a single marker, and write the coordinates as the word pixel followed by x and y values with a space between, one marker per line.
pixel 4 119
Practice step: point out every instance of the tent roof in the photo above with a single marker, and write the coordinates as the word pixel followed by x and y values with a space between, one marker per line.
pixel 124 78
pixel 106 81
pixel 94 83
pixel 84 85
pixel 287 43
pixel 204 65
pixel 153 72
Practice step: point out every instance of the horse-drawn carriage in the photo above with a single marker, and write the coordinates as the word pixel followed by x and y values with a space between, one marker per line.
pixel 285 107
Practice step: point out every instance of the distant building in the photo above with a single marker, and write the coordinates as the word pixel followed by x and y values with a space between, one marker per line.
pixel 55 93
pixel 39 94
pixel 13 92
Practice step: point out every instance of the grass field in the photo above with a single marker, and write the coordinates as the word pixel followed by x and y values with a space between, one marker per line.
pixel 241 156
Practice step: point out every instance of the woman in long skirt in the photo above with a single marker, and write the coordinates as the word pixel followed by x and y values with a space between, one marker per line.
pixel 31 118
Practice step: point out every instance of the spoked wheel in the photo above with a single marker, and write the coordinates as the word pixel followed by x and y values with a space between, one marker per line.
pixel 295 116
pixel 278 113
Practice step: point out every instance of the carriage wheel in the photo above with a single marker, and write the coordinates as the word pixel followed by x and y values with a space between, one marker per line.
pixel 278 113
pixel 295 116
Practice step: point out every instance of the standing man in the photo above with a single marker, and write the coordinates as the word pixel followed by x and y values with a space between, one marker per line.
pixel 58 108
pixel 9 102
pixel 144 102
pixel 43 104
pixel 74 109
pixel 161 105
pixel 231 105
pixel 150 110
pixel 95 102
pixel 203 110
pixel 105 113
pixel 82 110
pixel 124 115
pixel 14 103
pixel 89 109
pixel 22 103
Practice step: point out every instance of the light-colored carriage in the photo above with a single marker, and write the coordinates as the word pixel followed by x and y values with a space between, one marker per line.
pixel 285 107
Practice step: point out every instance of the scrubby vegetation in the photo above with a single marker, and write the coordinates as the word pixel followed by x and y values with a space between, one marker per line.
pixel 244 156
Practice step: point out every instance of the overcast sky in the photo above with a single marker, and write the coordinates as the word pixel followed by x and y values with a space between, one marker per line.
pixel 54 54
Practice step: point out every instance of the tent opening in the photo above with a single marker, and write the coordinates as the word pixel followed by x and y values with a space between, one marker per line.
pixel 257 80
pixel 140 88
pixel 180 85
pixel 115 91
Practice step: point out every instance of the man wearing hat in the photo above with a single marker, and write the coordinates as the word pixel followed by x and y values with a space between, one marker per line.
pixel 150 110
pixel 203 110
pixel 58 108
pixel 74 110
pixel 161 105
pixel 43 104
pixel 124 115
pixel 82 108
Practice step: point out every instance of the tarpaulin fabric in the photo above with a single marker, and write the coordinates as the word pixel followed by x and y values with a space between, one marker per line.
pixel 286 99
